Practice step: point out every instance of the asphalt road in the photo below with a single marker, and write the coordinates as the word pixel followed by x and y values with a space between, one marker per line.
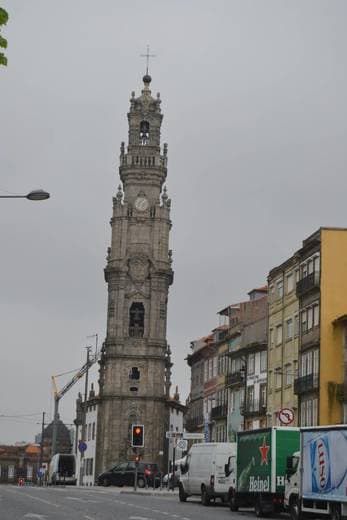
pixel 70 503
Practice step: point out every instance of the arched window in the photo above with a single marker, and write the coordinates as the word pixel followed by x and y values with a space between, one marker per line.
pixel 144 132
pixel 136 320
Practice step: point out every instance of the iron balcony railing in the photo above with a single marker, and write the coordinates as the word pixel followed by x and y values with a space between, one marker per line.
pixel 307 283
pixel 194 422
pixel 306 383
pixel 341 393
pixel 253 407
pixel 219 412
pixel 235 378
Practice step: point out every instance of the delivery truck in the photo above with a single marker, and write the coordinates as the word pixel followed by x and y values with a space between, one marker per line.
pixel 261 461
pixel 316 480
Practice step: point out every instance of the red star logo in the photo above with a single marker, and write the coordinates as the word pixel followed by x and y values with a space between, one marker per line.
pixel 264 449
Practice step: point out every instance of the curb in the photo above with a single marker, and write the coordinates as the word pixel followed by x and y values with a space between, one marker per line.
pixel 150 493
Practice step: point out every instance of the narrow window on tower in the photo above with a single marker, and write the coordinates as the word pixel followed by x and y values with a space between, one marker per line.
pixel 134 374
pixel 136 320
pixel 144 132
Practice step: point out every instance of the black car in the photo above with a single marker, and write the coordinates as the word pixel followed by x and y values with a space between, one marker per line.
pixel 124 475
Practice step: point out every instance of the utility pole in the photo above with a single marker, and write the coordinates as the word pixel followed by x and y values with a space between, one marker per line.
pixel 41 445
pixel 83 433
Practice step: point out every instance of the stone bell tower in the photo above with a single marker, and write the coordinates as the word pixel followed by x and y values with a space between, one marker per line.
pixel 135 362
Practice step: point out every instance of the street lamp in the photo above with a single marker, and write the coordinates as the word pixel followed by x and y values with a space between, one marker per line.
pixel 32 195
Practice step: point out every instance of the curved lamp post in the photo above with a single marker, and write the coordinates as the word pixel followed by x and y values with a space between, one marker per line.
pixel 33 195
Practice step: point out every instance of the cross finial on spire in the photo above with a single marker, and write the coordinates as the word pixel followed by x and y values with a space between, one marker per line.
pixel 147 56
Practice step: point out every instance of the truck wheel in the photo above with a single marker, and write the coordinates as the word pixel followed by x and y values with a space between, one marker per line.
pixel 294 509
pixel 258 508
pixel 141 482
pixel 336 512
pixel 205 499
pixel 181 494
pixel 232 503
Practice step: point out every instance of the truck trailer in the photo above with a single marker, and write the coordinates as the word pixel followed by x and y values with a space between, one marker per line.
pixel 316 483
pixel 261 462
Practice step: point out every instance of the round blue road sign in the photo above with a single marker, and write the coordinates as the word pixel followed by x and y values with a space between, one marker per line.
pixel 82 446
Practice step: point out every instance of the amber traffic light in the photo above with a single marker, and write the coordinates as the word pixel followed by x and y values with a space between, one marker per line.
pixel 137 436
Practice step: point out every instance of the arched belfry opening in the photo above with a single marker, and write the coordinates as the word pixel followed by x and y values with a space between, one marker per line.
pixel 144 132
pixel 136 320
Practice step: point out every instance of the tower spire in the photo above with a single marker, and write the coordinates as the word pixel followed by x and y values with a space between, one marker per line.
pixel 147 56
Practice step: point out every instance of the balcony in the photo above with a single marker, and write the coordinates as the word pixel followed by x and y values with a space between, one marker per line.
pixel 306 384
pixel 341 393
pixel 192 423
pixel 311 281
pixel 253 407
pixel 236 378
pixel 219 412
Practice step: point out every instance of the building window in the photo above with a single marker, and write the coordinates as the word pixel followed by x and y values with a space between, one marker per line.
pixel 262 395
pixel 134 374
pixel 251 364
pixel 290 282
pixel 206 370
pixel 136 320
pixel 250 396
pixel 288 375
pixel 278 334
pixel 316 264
pixel 314 412
pixel 279 289
pixel 263 361
pixel 297 275
pixel 289 328
pixel 296 325
pixel 144 132
pixel 316 315
pixel 93 432
pixel 271 336
pixel 89 431
pixel 272 293
pixel 278 379
pixel 303 322
pixel 309 318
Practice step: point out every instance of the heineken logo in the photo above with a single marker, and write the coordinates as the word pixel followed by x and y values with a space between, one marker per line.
pixel 258 484
pixel 264 450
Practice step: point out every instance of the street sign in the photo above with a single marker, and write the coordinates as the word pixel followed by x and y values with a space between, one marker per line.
pixel 82 446
pixel 182 444
pixel 187 435
pixel 286 416
pixel 173 435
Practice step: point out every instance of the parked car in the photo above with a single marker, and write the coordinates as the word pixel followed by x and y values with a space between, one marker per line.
pixel 123 474
pixel 167 479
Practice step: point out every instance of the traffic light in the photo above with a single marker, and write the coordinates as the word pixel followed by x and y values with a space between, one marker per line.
pixel 137 436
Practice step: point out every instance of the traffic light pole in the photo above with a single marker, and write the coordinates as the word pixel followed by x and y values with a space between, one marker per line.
pixel 136 466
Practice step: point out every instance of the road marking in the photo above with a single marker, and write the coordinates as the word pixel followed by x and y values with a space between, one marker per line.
pixel 138 518
pixel 34 515
pixel 89 518
pixel 34 498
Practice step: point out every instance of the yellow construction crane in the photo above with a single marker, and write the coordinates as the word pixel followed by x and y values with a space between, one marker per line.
pixel 58 394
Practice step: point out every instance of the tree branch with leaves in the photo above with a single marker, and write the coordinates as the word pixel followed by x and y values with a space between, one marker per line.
pixel 3 41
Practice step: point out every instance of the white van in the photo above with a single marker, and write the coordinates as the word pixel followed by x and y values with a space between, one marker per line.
pixel 62 469
pixel 205 470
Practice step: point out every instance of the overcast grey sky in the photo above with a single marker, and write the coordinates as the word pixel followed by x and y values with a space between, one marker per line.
pixel 254 103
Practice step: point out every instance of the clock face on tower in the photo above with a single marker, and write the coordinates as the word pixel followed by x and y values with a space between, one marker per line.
pixel 141 203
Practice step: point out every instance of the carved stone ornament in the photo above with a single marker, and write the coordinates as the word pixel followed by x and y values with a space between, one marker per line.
pixel 138 269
